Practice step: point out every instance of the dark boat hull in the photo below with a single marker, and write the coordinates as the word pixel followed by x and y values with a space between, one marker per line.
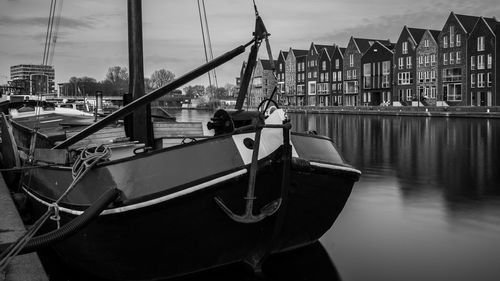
pixel 192 233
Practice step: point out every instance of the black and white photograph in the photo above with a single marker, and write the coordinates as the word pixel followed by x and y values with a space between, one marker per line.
pixel 256 140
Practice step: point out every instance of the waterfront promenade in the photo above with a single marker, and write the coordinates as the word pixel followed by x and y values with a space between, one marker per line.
pixel 423 111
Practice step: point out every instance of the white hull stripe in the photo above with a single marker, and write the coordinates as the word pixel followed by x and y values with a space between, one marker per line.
pixel 153 201
pixel 336 167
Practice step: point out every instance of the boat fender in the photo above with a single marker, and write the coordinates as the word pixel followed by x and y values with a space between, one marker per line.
pixel 300 164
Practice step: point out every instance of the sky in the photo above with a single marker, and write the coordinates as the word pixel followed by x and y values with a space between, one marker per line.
pixel 93 33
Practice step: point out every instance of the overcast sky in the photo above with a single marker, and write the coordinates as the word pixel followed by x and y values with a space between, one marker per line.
pixel 93 33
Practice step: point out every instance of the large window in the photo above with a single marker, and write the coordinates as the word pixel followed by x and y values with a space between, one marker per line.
pixel 453 92
pixel 480 80
pixel 337 63
pixel 367 76
pixel 401 62
pixel 351 87
pixel 386 67
pixel 452 36
pixel 480 62
pixel 300 89
pixel 405 78
pixel 489 61
pixel 452 74
pixel 445 42
pixel 459 57
pixel 459 40
pixel 472 62
pixel 351 60
pixel 405 48
pixel 445 58
pixel 408 62
pixel 433 59
pixel 480 43
pixel 334 76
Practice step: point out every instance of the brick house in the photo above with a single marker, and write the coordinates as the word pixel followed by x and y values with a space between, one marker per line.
pixel 324 72
pixel 482 53
pixel 291 76
pixel 405 61
pixel 313 76
pixel 352 68
pixel 376 87
pixel 337 61
pixel 454 61
pixel 427 69
pixel 280 76
pixel 263 82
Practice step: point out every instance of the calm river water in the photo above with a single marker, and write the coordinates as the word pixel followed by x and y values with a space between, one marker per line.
pixel 427 206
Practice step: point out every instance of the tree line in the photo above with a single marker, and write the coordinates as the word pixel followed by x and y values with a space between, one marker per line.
pixel 116 83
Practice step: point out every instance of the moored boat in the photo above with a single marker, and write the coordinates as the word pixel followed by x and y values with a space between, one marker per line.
pixel 250 190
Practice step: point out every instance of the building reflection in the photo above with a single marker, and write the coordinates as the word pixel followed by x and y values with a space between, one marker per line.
pixel 459 156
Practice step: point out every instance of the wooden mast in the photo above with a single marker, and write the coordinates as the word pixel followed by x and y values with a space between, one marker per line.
pixel 142 127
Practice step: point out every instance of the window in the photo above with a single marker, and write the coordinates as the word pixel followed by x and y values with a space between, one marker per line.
pixel 433 92
pixel 459 57
pixel 386 67
pixel 459 40
pixel 404 78
pixel 426 60
pixel 420 60
pixel 452 36
pixel 281 67
pixel 480 62
pixel 480 80
pixel 426 43
pixel 323 65
pixel 473 63
pixel 401 62
pixel 367 75
pixel 408 62
pixel 408 95
pixel 433 59
pixel 489 61
pixel 488 79
pixel 473 80
pixel 322 77
pixel 315 74
pixel 337 63
pixel 351 60
pixel 445 58
pixel 405 48
pixel 453 92
pixel 309 75
pixel 326 77
pixel 354 74
pixel 480 43
pixel 348 75
pixel 452 57
pixel 445 42
pixel 433 76
pixel 339 76
pixel 334 76
pixel 427 76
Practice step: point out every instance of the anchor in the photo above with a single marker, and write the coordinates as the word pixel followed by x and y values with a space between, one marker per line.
pixel 267 210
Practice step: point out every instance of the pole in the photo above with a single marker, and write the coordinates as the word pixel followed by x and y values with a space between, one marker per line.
pixel 142 129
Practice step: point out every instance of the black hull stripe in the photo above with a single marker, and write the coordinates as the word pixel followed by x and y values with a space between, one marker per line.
pixel 149 202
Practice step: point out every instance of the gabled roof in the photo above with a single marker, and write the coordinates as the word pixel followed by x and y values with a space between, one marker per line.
pixel 416 33
pixel 435 34
pixel 468 22
pixel 364 44
pixel 299 53
pixel 389 47
pixel 329 48
pixel 266 64
pixel 284 54
pixel 342 50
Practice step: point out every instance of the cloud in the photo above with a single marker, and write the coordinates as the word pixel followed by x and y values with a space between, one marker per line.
pixel 70 23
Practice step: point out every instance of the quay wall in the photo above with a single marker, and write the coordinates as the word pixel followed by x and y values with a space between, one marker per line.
pixel 423 111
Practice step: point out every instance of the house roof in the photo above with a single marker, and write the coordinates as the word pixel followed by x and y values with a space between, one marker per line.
pixel 468 22
pixel 364 44
pixel 492 23
pixel 435 34
pixel 266 64
pixel 299 53
pixel 285 54
pixel 416 33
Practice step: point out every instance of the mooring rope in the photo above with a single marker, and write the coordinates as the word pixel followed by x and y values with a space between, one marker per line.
pixel 87 159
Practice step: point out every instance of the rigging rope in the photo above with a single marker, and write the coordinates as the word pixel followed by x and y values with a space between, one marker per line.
pixel 204 43
pixel 209 41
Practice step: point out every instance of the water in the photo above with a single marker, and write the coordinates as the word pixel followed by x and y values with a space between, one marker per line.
pixel 427 206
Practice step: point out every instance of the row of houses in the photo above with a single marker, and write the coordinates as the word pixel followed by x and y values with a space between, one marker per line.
pixel 455 66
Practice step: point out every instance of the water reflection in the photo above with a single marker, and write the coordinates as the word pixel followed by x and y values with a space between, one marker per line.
pixel 427 206
pixel 308 263
pixel 459 156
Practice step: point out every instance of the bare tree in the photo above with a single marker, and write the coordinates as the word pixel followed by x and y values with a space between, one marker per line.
pixel 160 78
